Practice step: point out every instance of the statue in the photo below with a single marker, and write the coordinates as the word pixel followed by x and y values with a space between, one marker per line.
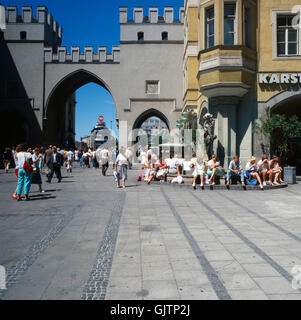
pixel 209 136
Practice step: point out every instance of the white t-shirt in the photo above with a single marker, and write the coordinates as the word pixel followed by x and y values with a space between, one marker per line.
pixel 69 155
pixel 121 159
pixel 37 164
pixel 173 163
pixel 210 163
pixel 249 164
pixel 167 161
pixel 104 156
pixel 86 155
pixel 76 155
pixel 187 165
pixel 262 166
pixel 143 157
pixel 22 157
pixel 129 153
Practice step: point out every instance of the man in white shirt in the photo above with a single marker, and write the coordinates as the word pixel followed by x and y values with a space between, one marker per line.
pixel 70 156
pixel 103 156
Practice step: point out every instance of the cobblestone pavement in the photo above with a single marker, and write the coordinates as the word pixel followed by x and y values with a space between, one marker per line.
pixel 86 239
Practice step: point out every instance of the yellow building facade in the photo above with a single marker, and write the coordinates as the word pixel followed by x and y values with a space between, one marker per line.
pixel 241 57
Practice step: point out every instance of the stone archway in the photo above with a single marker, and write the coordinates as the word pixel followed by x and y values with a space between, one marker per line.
pixel 286 102
pixel 144 116
pixel 150 113
pixel 291 106
pixel 54 113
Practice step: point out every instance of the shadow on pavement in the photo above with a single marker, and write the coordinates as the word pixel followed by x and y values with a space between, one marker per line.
pixel 36 198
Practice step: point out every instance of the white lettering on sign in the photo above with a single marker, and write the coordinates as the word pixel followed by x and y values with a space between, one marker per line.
pixel 283 78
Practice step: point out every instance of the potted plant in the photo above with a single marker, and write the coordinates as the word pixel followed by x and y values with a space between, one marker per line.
pixel 279 130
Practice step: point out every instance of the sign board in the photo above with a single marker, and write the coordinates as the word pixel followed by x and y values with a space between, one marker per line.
pixel 100 118
pixel 282 78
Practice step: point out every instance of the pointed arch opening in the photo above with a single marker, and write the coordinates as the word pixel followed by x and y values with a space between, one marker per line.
pixel 60 111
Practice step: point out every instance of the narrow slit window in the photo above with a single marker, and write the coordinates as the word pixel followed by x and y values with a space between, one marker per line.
pixel 165 36
pixel 23 35
pixel 140 36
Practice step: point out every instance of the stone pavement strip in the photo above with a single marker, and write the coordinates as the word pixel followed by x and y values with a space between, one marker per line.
pixel 86 239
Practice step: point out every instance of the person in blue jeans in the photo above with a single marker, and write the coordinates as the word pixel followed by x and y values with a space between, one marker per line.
pixel 235 169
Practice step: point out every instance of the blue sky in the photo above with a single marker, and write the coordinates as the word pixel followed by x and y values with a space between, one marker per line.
pixel 92 23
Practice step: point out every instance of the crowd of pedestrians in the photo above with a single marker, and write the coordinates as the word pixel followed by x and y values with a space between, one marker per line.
pixel 30 165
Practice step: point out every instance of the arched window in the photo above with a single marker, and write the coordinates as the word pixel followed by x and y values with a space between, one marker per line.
pixel 165 36
pixel 140 36
pixel 23 35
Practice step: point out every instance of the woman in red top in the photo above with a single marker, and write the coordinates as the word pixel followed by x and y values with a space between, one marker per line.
pixel 158 171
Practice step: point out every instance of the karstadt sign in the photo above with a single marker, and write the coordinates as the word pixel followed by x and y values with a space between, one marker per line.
pixel 283 78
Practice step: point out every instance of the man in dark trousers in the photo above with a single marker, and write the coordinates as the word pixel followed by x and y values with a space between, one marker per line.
pixel 47 159
pixel 56 161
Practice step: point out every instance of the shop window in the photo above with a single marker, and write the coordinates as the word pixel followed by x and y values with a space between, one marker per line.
pixel 209 32
pixel 164 36
pixel 287 35
pixel 248 27
pixel 229 24
pixel 140 36
pixel 23 35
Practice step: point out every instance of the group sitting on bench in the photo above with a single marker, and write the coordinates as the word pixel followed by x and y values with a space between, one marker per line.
pixel 263 173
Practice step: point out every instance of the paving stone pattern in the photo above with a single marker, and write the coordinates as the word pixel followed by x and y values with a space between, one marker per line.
pixel 86 239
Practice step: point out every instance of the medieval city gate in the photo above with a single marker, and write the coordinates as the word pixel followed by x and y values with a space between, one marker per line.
pixel 143 74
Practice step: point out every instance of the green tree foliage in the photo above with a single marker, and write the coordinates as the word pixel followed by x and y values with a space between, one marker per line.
pixel 279 130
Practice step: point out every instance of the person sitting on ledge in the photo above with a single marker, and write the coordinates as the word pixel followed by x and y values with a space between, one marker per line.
pixel 199 171
pixel 174 167
pixel 263 168
pixel 251 171
pixel 275 171
pixel 235 169
pixel 214 169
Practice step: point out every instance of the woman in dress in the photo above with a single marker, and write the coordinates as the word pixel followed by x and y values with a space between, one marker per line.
pixel 199 171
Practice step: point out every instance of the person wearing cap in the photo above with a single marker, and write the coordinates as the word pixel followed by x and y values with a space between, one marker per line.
pixel 252 171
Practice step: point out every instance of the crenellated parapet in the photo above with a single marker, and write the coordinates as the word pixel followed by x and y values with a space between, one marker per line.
pixel 153 16
pixel 76 56
pixel 26 17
